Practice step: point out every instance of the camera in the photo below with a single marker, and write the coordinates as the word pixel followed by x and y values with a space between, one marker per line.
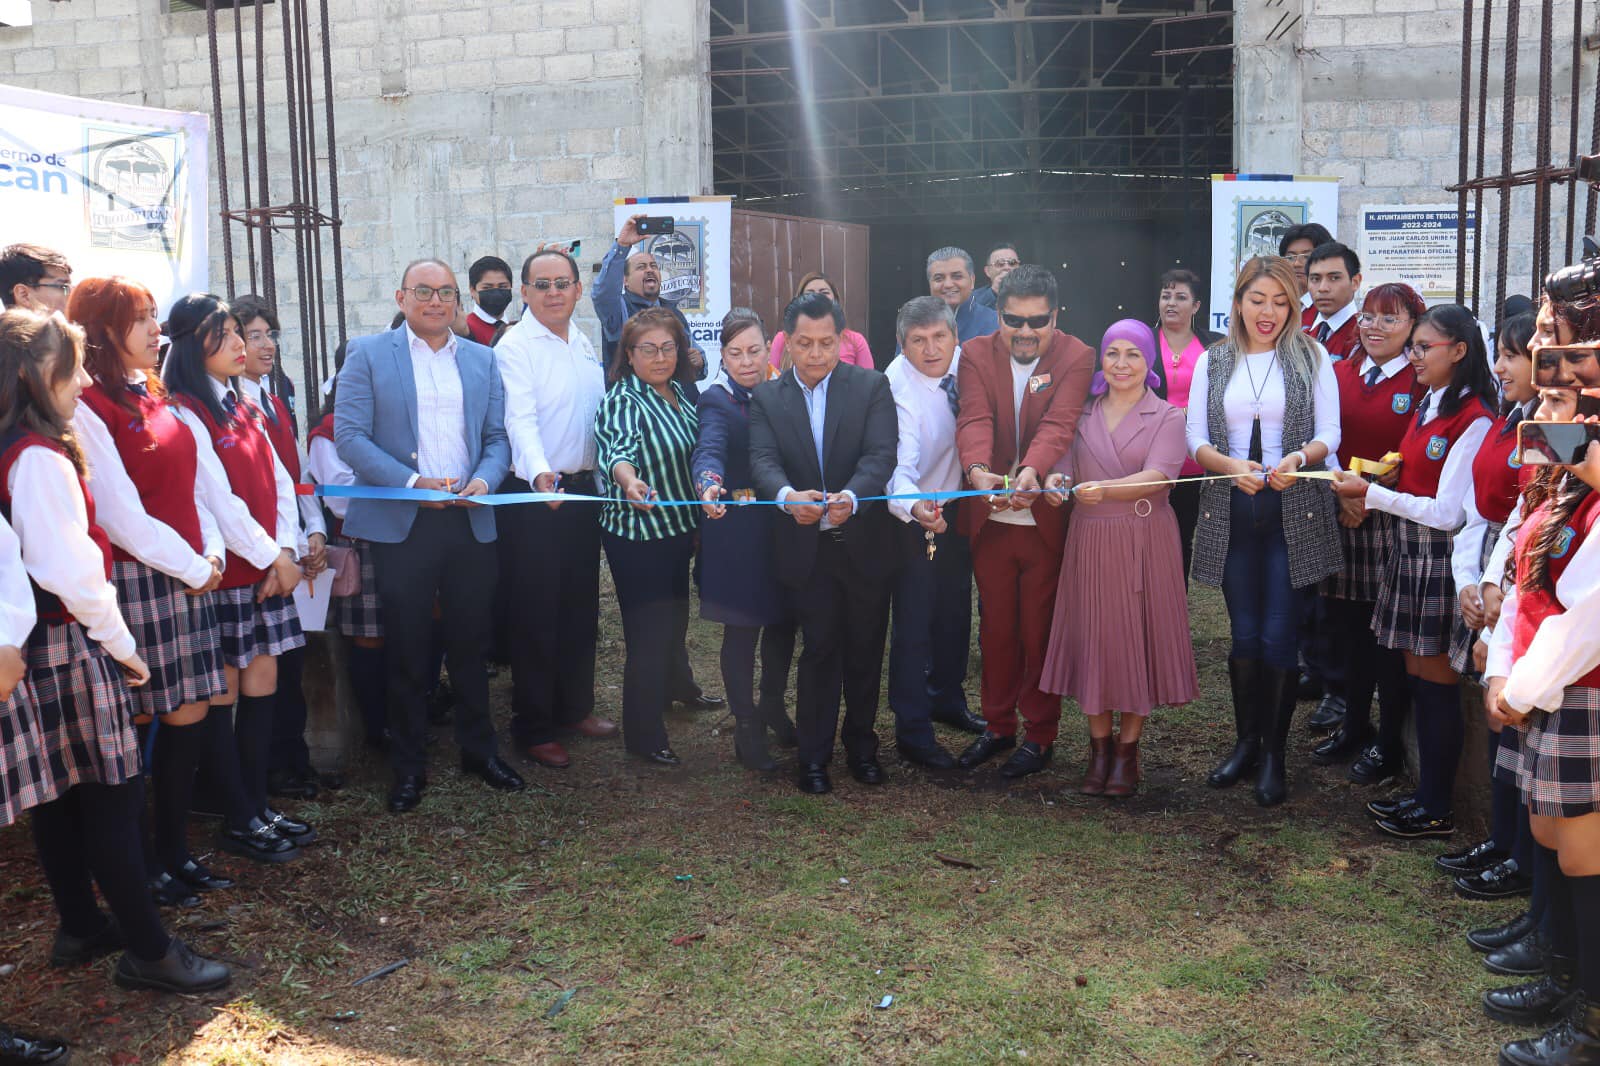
pixel 1580 280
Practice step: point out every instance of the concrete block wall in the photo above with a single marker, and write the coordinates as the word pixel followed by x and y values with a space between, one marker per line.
pixel 464 129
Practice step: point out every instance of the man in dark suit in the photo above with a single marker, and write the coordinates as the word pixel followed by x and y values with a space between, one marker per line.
pixel 419 407
pixel 822 437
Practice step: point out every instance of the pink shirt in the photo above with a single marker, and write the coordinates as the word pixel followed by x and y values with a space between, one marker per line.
pixel 852 349
pixel 1180 375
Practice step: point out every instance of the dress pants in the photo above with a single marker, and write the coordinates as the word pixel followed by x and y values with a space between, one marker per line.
pixel 440 560
pixel 550 569
pixel 932 631
pixel 1017 574
pixel 844 616
pixel 652 580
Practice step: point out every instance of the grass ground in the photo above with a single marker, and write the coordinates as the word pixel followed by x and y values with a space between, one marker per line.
pixel 617 913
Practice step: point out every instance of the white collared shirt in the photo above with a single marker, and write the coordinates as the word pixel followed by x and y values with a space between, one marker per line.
pixel 926 459
pixel 1020 374
pixel 441 414
pixel 326 468
pixel 1261 370
pixel 1446 510
pixel 17 617
pixel 484 316
pixel 1340 317
pixel 310 513
pixel 553 389
pixel 1386 370
pixel 1467 547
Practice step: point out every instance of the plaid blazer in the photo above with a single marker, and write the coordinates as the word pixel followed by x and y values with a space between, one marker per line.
pixel 1310 522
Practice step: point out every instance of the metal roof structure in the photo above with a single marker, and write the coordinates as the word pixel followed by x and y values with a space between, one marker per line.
pixel 875 109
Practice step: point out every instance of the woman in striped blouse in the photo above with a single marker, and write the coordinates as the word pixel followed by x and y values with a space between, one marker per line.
pixel 646 429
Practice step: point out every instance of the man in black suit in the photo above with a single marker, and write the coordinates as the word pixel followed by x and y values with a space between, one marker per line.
pixel 822 437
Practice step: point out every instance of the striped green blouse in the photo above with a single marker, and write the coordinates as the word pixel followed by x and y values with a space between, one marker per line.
pixel 636 425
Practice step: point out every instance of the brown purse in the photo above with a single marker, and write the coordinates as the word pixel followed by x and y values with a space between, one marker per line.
pixel 346 565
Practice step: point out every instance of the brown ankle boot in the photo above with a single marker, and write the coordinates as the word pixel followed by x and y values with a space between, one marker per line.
pixel 1124 777
pixel 1094 778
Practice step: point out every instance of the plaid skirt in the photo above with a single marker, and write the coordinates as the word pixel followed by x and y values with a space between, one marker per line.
pixel 1416 608
pixel 176 634
pixel 1366 551
pixel 251 629
pixel 1560 772
pixel 358 615
pixel 1507 756
pixel 1462 639
pixel 84 710
pixel 23 782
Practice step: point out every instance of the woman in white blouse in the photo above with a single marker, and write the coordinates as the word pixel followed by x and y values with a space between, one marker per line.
pixel 1264 405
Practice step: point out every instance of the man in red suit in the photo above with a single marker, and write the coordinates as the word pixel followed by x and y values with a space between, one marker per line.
pixel 1021 392
pixel 1333 277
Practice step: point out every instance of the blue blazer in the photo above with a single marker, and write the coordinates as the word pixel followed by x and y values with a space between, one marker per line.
pixel 375 430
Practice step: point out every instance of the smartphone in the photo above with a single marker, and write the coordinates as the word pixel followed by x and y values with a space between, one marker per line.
pixel 1566 366
pixel 655 225
pixel 571 247
pixel 1554 443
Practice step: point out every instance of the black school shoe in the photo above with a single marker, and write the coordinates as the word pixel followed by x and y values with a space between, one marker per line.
pixel 260 842
pixel 168 891
pixel 1374 767
pixel 1392 807
pixel 201 879
pixel 1498 936
pixel 1481 856
pixel 69 950
pixel 1416 824
pixel 297 833
pixel 179 970
pixel 1527 956
pixel 1505 880
pixel 24 1049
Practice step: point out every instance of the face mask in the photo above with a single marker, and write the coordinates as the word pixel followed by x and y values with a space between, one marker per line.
pixel 494 301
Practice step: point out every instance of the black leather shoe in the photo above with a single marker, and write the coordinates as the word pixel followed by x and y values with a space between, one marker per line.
pixel 750 745
pixel 1481 856
pixel 986 747
pixel 299 833
pixel 1416 824
pixel 179 970
pixel 867 771
pixel 69 950
pixel 168 891
pixel 1329 714
pixel 701 702
pixel 1308 687
pixel 1393 807
pixel 933 756
pixel 1573 1041
pixel 665 757
pixel 1029 758
pixel 1345 744
pixel 813 778
pixel 494 772
pixel 201 879
pixel 1526 956
pixel 1503 881
pixel 23 1049
pixel 260 842
pixel 1498 936
pixel 1375 766
pixel 1535 1003
pixel 961 718
pixel 406 793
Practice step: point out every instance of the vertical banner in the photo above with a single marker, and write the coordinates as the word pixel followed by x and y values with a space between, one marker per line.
pixel 1249 215
pixel 1416 244
pixel 118 189
pixel 694 260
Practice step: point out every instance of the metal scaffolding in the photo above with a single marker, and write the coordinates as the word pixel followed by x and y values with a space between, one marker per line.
pixel 863 109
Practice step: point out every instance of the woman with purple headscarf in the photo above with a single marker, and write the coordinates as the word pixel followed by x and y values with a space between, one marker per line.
pixel 1120 637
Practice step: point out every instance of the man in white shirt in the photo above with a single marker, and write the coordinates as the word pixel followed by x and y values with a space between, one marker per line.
pixel 550 554
pixel 932 601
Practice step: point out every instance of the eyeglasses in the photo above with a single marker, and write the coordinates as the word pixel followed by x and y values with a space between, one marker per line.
pixel 1423 349
pixel 59 286
pixel 558 284
pixel 1366 318
pixel 256 336
pixel 1005 262
pixel 1298 257
pixel 424 293
pixel 1031 321
pixel 650 351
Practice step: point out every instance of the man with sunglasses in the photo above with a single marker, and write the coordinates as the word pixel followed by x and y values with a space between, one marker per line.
pixel 1003 259
pixel 34 278
pixel 419 407
pixel 550 554
pixel 1021 391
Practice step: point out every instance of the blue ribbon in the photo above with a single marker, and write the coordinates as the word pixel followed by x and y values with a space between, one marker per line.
pixel 506 499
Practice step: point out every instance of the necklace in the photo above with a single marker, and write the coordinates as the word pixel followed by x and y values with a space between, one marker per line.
pixel 1255 452
pixel 1177 353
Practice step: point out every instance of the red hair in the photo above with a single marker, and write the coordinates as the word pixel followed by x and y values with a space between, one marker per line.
pixel 1394 298
pixel 106 309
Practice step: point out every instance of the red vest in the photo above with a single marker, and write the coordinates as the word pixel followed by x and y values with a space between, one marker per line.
pixel 1497 477
pixel 1534 607
pixel 280 431
pixel 158 452
pixel 1423 450
pixel 481 331
pixel 1341 342
pixel 1373 419
pixel 246 456
pixel 47 605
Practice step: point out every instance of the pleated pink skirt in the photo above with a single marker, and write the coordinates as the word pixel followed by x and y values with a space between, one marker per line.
pixel 1120 637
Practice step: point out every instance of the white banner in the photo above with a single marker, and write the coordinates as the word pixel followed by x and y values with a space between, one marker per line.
pixel 694 259
pixel 1249 214
pixel 118 189
pixel 1416 244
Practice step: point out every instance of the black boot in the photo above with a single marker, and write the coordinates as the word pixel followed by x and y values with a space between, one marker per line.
pixel 1575 1041
pixel 1536 1003
pixel 1245 677
pixel 750 744
pixel 777 719
pixel 1278 692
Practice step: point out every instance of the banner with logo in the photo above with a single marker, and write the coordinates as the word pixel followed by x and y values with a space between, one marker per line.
pixel 694 259
pixel 118 189
pixel 1416 244
pixel 1249 215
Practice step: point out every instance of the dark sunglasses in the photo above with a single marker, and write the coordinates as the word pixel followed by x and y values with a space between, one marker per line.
pixel 1031 321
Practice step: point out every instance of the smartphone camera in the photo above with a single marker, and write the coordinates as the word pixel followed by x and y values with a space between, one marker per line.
pixel 656 225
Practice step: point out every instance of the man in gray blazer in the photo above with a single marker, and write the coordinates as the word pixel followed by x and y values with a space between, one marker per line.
pixel 419 407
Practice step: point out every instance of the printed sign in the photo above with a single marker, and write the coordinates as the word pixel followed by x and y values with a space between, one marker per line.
pixel 1250 214
pixel 1416 244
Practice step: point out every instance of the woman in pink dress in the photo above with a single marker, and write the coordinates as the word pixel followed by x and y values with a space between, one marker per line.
pixel 1120 637
pixel 852 345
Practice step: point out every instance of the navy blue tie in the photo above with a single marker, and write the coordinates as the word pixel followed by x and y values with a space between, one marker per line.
pixel 1422 408
pixel 137 388
pixel 948 384
pixel 1374 375
pixel 229 404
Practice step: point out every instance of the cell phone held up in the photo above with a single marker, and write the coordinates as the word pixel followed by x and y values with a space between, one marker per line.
pixel 1555 443
pixel 655 225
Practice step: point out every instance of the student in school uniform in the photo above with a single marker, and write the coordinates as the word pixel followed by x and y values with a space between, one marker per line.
pixel 82 661
pixel 1333 278
pixel 256 616
pixel 1416 604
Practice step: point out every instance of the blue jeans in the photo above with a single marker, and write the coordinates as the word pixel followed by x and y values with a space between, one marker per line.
pixel 1263 608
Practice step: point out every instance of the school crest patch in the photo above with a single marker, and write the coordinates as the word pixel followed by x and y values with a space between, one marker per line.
pixel 1401 404
pixel 1513 461
pixel 1563 543
pixel 1437 446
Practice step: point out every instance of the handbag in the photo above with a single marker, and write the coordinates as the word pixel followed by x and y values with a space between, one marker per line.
pixel 346 565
